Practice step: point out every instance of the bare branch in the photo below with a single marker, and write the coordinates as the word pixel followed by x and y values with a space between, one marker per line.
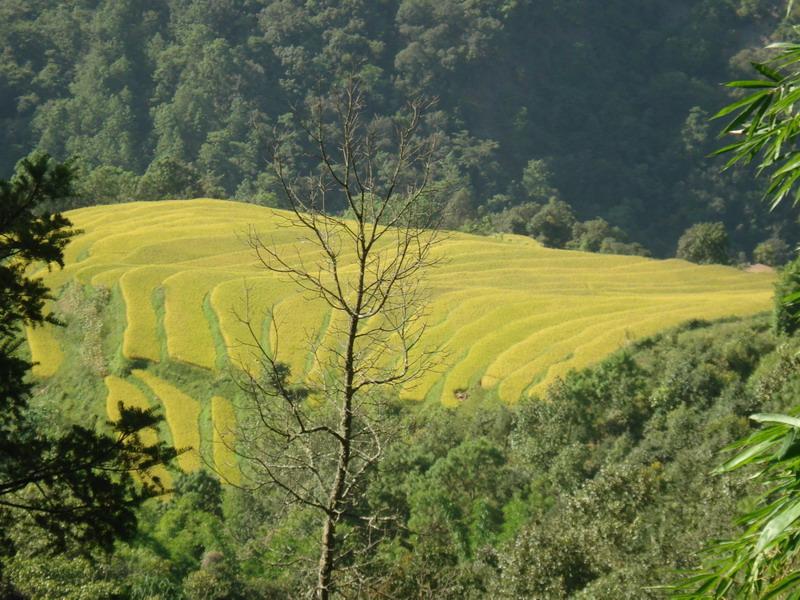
pixel 318 445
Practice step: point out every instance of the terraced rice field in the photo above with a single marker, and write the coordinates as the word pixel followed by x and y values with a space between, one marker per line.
pixel 223 418
pixel 508 314
pixel 120 390
pixel 182 414
pixel 46 351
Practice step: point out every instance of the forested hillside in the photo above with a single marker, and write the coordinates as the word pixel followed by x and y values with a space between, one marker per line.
pixel 601 104
pixel 599 489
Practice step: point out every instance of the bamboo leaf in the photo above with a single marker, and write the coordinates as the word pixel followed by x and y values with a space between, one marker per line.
pixel 744 457
pixel 776 418
pixel 787 444
pixel 764 104
pixel 726 149
pixel 759 107
pixel 751 83
pixel 777 526
pixel 767 71
pixel 740 103
pixel 790 164
pixel 783 45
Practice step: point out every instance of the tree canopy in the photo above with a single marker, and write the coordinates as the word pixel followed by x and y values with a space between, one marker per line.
pixel 603 105
pixel 75 482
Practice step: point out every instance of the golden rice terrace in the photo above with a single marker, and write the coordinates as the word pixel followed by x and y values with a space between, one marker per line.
pixel 509 314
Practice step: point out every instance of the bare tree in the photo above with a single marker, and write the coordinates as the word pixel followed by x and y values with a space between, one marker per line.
pixel 316 440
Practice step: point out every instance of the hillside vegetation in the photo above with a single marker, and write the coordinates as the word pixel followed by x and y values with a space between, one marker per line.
pixel 177 99
pixel 506 314
pixel 600 489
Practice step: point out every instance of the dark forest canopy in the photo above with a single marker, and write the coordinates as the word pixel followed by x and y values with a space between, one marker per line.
pixel 171 98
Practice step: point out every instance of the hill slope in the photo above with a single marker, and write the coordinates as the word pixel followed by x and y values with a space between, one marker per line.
pixel 510 314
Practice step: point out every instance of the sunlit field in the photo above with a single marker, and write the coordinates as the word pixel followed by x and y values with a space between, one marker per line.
pixel 504 313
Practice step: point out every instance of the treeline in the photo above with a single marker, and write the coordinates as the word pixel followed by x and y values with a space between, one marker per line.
pixel 602 489
pixel 602 106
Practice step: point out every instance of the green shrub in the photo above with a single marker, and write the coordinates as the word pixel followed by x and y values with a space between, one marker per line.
pixel 773 252
pixel 787 307
pixel 704 243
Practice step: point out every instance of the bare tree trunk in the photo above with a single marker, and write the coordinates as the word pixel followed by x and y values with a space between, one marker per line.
pixel 318 453
pixel 325 576
pixel 327 553
pixel 327 549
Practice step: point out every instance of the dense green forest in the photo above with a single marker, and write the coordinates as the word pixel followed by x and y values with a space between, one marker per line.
pixel 602 105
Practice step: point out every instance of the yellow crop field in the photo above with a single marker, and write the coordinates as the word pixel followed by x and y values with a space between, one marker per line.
pixel 189 336
pixel 182 414
pixel 243 310
pixel 141 339
pixel 223 418
pixel 45 350
pixel 123 391
pixel 505 313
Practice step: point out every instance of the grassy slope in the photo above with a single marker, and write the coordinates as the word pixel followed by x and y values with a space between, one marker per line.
pixel 509 314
